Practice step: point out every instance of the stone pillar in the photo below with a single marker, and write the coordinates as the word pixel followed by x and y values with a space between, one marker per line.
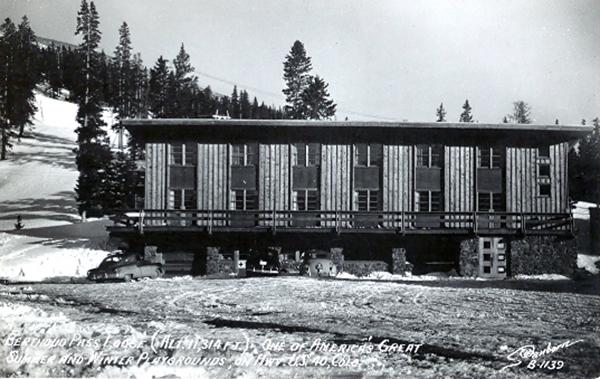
pixel 212 260
pixel 399 261
pixel 337 256
pixel 469 257
pixel 151 254
pixel 595 231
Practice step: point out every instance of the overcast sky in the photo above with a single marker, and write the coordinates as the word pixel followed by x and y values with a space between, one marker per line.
pixel 395 59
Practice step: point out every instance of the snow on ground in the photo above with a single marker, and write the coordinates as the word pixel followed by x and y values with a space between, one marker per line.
pixel 297 327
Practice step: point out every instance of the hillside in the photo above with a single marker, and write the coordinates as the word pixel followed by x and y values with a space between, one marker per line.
pixel 37 182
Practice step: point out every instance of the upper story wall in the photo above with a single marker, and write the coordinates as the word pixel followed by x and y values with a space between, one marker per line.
pixel 356 176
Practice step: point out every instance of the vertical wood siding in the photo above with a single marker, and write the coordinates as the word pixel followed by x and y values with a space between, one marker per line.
pixel 523 180
pixel 398 178
pixel 336 181
pixel 459 180
pixel 212 176
pixel 274 177
pixel 156 176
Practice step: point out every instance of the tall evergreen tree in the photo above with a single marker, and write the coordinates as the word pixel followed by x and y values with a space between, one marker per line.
pixel 27 76
pixel 441 113
pixel 466 116
pixel 245 106
pixel 521 113
pixel 123 72
pixel 8 49
pixel 296 69
pixel 93 155
pixel 18 79
pixel 159 89
pixel 316 104
pixel 185 84
pixel 235 103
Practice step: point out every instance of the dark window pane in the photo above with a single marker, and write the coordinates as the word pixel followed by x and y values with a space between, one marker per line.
pixel 363 204
pixel 437 152
pixel 483 202
pixel 237 155
pixel 376 155
pixel 545 189
pixel 436 201
pixel 314 154
pixel 177 154
pixel 190 154
pixel 484 158
pixel 189 199
pixel 252 155
pixel 312 200
pixel 545 170
pixel 423 202
pixel 373 200
pixel 544 152
pixel 177 199
pixel 301 153
pixel 361 154
pixel 422 156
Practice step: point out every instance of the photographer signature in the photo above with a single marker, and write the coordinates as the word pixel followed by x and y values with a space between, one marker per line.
pixel 528 352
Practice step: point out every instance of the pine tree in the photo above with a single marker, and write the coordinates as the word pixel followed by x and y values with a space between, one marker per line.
pixel 93 155
pixel 296 69
pixel 159 89
pixel 441 113
pixel 235 104
pixel 521 113
pixel 18 79
pixel 466 116
pixel 8 48
pixel 27 76
pixel 184 84
pixel 245 106
pixel 316 104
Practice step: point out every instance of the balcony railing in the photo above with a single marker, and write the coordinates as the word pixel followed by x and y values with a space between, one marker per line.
pixel 344 221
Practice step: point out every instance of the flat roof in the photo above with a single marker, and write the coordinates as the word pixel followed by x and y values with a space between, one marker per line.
pixel 214 130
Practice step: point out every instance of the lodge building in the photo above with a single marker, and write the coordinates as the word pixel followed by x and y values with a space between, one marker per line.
pixel 365 188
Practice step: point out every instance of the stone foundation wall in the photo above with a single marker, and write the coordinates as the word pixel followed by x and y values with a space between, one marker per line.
pixel 531 255
pixel 469 258
pixel 535 255
pixel 216 264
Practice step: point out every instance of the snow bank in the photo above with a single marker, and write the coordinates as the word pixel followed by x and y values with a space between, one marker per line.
pixel 588 262
pixel 582 210
pixel 25 258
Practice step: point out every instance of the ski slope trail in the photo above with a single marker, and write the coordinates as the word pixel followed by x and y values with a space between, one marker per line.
pixel 38 178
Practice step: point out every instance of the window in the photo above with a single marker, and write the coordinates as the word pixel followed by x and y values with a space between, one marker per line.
pixel 184 199
pixel 429 201
pixel 489 157
pixel 184 154
pixel 368 200
pixel 545 189
pixel 487 201
pixel 544 152
pixel 244 200
pixel 429 156
pixel 244 155
pixel 309 154
pixel 368 155
pixel 544 169
pixel 307 200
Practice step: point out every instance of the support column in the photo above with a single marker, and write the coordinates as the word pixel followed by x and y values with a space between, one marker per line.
pixel 399 264
pixel 337 256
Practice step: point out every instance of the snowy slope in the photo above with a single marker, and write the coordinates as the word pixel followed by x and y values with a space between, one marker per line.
pixel 37 182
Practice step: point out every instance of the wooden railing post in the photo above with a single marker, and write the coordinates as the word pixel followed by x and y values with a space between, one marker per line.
pixel 141 222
